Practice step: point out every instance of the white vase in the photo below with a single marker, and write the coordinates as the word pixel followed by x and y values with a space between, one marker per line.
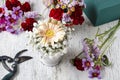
pixel 52 60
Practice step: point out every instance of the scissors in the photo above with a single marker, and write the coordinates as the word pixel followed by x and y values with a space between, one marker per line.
pixel 5 60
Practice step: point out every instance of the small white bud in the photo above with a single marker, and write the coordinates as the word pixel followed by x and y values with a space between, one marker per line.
pixel 35 24
pixel 73 29
pixel 65 43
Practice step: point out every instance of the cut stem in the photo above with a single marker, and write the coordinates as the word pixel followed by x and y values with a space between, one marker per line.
pixel 111 34
pixel 110 43
pixel 79 54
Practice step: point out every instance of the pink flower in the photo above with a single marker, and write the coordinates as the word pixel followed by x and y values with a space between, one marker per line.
pixel 94 73
pixel 87 63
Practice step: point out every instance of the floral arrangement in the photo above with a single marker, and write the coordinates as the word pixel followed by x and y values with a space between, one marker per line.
pixel 16 17
pixel 49 38
pixel 93 57
pixel 69 12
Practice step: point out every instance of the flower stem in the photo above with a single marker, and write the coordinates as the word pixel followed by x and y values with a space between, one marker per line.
pixel 110 43
pixel 106 32
pixel 79 54
pixel 111 34
pixel 109 39
pixel 97 33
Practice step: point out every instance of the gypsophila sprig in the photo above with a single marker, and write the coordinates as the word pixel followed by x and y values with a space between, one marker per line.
pixel 93 57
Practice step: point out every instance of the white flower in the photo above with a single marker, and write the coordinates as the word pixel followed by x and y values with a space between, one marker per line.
pixel 50 33
pixel 48 38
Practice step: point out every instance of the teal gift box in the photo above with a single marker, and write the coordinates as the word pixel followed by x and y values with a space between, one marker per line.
pixel 102 11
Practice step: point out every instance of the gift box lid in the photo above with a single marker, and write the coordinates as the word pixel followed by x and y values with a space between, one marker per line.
pixel 102 11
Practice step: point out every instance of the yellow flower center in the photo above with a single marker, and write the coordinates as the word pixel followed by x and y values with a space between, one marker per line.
pixel 49 33
pixel 95 74
pixel 63 6
pixel 88 64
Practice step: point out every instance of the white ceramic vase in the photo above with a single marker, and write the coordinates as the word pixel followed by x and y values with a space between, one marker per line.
pixel 52 60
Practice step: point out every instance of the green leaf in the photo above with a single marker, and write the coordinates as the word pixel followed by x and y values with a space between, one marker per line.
pixel 105 61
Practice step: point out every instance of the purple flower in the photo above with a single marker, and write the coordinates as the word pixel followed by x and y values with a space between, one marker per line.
pixel 17 13
pixel 13 30
pixel 73 3
pixel 66 18
pixel 10 20
pixel 86 49
pixel 87 63
pixel 17 31
pixel 94 73
pixel 95 48
pixel 3 11
pixel 12 25
pixel 76 2
pixel 13 21
pixel 65 1
pixel 32 14
pixel 9 29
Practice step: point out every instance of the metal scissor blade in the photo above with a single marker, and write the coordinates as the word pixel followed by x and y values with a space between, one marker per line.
pixel 19 53
pixel 0 58
pixel 23 59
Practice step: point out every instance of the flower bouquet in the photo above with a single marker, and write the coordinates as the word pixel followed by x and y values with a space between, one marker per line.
pixel 16 17
pixel 69 12
pixel 93 57
pixel 50 40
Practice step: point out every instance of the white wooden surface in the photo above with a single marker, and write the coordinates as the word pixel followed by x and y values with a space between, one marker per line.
pixel 35 70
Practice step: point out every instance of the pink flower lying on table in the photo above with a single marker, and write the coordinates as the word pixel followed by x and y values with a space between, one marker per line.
pixel 13 14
